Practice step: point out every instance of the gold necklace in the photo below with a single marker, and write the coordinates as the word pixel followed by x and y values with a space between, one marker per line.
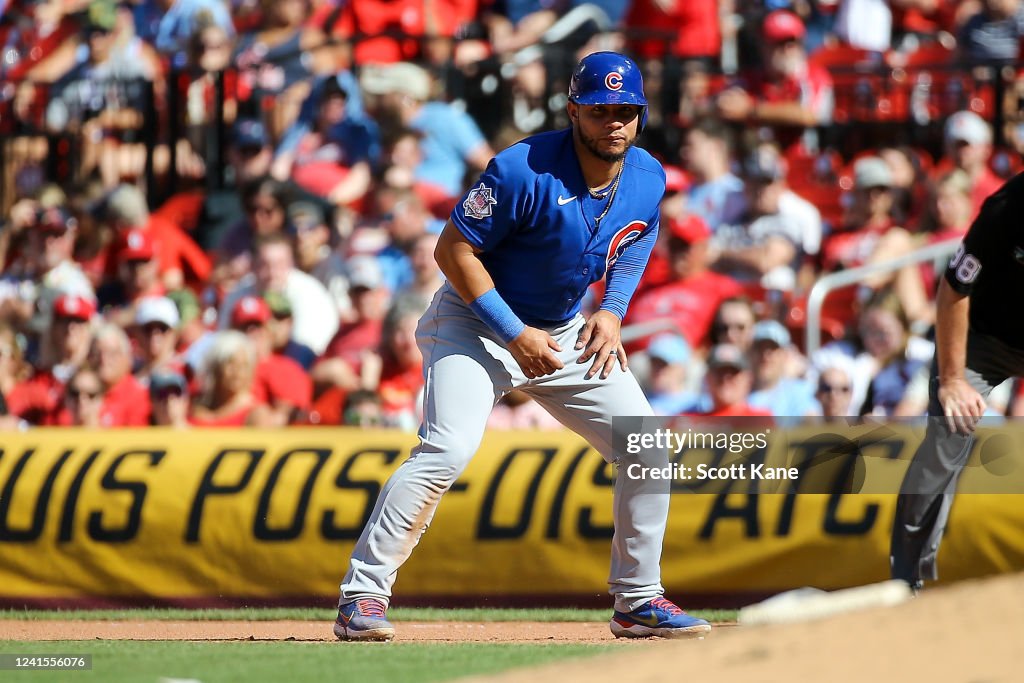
pixel 611 195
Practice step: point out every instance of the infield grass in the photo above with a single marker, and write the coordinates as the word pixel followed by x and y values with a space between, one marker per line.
pixel 135 662
pixel 484 614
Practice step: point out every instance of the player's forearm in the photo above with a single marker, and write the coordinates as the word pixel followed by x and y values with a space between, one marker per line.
pixel 951 332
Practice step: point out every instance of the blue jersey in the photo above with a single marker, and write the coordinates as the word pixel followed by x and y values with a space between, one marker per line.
pixel 531 215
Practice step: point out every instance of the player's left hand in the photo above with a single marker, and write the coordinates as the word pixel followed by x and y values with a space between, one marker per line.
pixel 599 340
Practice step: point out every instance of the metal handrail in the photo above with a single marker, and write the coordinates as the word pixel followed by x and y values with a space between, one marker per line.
pixel 631 333
pixel 828 283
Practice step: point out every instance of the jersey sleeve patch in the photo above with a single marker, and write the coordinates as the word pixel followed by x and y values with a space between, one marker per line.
pixel 478 202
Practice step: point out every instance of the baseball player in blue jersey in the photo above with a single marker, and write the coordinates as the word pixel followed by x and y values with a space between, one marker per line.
pixel 548 217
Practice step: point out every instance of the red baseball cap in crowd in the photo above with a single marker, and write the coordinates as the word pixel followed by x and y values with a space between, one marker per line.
pixel 691 229
pixel 74 307
pixel 676 179
pixel 782 25
pixel 250 309
pixel 55 220
pixel 136 245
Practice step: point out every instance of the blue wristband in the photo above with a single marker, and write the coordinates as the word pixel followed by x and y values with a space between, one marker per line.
pixel 493 310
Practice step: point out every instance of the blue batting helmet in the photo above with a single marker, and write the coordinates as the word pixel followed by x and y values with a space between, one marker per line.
pixel 608 78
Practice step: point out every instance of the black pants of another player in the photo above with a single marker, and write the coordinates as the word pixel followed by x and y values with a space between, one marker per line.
pixel 926 494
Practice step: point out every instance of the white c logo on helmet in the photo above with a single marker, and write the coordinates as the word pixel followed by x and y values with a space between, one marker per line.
pixel 613 81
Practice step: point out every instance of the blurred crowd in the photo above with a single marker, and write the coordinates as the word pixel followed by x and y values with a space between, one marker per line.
pixel 316 149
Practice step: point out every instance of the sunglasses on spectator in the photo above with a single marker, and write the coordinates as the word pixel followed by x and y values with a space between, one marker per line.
pixel 155 328
pixel 75 393
pixel 724 327
pixel 834 388
pixel 264 208
pixel 167 392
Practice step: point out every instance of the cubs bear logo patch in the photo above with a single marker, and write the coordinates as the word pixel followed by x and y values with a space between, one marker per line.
pixel 478 202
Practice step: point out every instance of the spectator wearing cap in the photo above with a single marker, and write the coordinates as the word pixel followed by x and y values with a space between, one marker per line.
pixel 668 384
pixel 994 33
pixel 38 399
pixel 126 403
pixel 169 397
pixel 138 277
pixel 787 398
pixel 84 399
pixel 768 246
pixel 84 72
pixel 406 222
pixel 250 154
pixel 728 381
pixel 180 258
pixel 341 363
pixel 868 218
pixel 693 292
pixel 45 271
pixel 673 207
pixel 280 327
pixel 281 388
pixel 452 142
pixel 787 94
pixel 716 193
pixel 226 376
pixel 315 254
pixel 314 311
pixel 834 391
pixel 331 157
pixel 968 140
pixel 156 326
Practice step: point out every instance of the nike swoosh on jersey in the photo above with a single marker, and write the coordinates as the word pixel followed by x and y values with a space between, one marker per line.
pixel 562 201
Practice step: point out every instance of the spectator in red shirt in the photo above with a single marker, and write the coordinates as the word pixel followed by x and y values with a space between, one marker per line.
pixel 38 399
pixel 281 388
pixel 693 24
pixel 181 259
pixel 789 94
pixel 85 399
pixel 13 369
pixel 693 292
pixel 227 374
pixel 400 366
pixel 341 364
pixel 126 403
pixel 868 218
pixel 138 277
pixel 168 394
pixel 729 382
pixel 156 325
pixel 969 146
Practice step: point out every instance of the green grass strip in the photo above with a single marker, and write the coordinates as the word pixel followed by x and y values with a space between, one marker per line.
pixel 132 661
pixel 317 614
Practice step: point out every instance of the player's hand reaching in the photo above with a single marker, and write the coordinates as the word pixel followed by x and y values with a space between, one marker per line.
pixel 962 405
pixel 599 340
pixel 532 349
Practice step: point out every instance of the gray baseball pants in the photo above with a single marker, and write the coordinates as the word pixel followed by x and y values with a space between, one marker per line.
pixel 926 495
pixel 467 369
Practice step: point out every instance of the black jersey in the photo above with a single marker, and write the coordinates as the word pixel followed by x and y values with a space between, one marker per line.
pixel 989 265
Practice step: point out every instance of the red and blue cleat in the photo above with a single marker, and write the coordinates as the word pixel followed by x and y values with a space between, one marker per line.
pixel 661 618
pixel 363 619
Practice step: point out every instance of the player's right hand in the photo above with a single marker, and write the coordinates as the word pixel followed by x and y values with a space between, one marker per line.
pixel 962 405
pixel 533 350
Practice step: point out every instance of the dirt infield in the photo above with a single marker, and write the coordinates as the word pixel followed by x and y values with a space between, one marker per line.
pixel 462 632
pixel 966 633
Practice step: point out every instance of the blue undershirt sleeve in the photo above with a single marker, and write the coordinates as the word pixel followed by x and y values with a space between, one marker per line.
pixel 624 275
